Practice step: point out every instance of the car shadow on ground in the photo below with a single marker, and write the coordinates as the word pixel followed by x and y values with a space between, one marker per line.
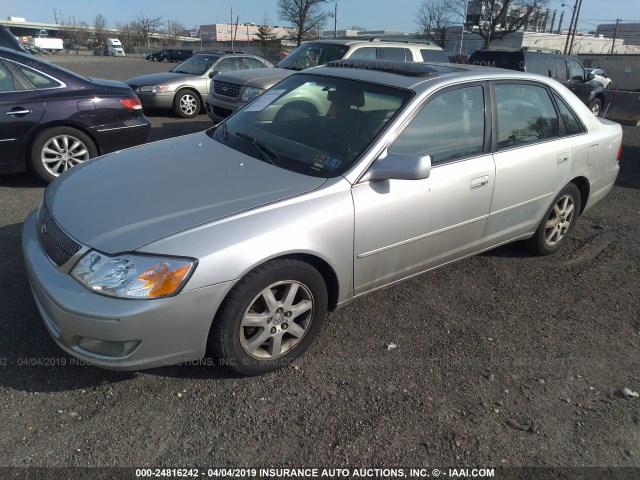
pixel 21 180
pixel 30 360
pixel 165 125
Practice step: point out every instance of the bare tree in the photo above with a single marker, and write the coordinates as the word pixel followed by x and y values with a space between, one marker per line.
pixel 147 26
pixel 435 17
pixel 305 16
pixel 174 29
pixel 99 24
pixel 495 19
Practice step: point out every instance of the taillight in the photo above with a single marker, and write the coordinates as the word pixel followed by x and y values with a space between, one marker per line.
pixel 132 103
pixel 619 152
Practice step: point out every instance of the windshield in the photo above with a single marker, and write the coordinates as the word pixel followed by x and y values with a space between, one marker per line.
pixel 197 65
pixel 311 124
pixel 311 55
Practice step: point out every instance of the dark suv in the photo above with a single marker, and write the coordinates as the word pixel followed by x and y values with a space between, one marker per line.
pixel 567 70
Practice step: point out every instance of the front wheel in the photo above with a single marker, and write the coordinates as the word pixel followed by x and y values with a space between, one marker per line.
pixel 558 222
pixel 58 149
pixel 270 317
pixel 186 104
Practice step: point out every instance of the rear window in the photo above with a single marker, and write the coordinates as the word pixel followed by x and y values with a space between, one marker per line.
pixel 508 60
pixel 434 56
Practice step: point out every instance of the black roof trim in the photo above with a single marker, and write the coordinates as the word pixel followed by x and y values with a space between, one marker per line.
pixel 409 69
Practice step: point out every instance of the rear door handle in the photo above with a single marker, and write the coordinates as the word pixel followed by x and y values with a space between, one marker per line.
pixel 479 182
pixel 19 112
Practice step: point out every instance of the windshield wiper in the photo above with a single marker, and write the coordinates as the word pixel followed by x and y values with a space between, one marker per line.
pixel 265 152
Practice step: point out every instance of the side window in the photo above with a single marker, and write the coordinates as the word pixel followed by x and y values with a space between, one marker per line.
pixel 6 80
pixel 251 63
pixel 525 115
pixel 449 127
pixel 561 70
pixel 571 124
pixel 228 65
pixel 366 53
pixel 37 79
pixel 576 72
pixel 392 53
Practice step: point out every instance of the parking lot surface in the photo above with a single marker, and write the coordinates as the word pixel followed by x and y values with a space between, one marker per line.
pixel 503 359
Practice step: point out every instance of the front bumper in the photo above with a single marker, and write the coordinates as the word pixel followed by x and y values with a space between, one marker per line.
pixel 170 330
pixel 219 109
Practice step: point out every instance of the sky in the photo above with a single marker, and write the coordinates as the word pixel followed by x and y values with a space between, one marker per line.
pixel 397 15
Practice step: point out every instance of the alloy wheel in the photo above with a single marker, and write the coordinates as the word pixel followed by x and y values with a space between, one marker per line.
pixel 559 220
pixel 276 319
pixel 62 152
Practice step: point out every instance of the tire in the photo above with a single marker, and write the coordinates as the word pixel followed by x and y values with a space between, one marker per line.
pixel 558 222
pixel 165 60
pixel 257 329
pixel 187 103
pixel 58 149
pixel 596 107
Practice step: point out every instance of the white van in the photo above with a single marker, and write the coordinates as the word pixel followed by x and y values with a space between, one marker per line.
pixel 114 47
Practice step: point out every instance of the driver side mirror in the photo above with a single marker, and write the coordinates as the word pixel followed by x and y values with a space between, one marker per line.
pixel 213 73
pixel 399 166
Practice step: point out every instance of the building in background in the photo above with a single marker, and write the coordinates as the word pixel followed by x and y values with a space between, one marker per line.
pixel 243 32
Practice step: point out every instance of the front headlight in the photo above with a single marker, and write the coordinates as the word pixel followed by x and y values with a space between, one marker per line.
pixel 250 93
pixel 133 276
pixel 159 88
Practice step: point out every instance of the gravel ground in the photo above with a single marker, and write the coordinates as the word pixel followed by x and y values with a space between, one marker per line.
pixel 504 359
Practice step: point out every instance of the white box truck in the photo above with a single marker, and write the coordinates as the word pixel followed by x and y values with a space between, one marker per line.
pixel 114 47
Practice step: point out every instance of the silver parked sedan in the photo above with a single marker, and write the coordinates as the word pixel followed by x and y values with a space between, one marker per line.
pixel 336 182
pixel 184 88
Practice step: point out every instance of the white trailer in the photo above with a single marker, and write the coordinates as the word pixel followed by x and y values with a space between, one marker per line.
pixel 53 44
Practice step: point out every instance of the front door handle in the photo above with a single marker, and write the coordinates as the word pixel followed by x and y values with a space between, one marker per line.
pixel 19 112
pixel 480 182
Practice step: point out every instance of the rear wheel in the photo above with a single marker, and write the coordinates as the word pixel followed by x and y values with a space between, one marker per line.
pixel 58 149
pixel 187 104
pixel 558 222
pixel 270 317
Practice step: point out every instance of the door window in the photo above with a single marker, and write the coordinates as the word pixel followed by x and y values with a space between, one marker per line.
pixel 228 65
pixel 576 72
pixel 366 53
pixel 396 54
pixel 251 63
pixel 561 70
pixel 449 127
pixel 525 115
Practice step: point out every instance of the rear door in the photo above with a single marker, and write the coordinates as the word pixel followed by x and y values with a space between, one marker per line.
pixel 578 81
pixel 21 109
pixel 532 160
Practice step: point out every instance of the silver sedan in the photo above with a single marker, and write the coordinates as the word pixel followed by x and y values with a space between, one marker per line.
pixel 184 88
pixel 336 182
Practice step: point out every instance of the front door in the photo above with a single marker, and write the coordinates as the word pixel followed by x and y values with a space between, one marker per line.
pixel 403 227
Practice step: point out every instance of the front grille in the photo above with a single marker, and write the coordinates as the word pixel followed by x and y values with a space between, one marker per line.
pixel 59 246
pixel 226 89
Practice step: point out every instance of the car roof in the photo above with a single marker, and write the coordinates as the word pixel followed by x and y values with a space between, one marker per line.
pixel 378 42
pixel 416 76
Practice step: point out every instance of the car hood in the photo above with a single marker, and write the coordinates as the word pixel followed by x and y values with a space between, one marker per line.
pixel 162 78
pixel 125 200
pixel 258 77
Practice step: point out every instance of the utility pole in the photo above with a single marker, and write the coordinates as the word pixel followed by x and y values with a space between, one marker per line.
pixel 573 16
pixel 335 20
pixel 575 27
pixel 615 34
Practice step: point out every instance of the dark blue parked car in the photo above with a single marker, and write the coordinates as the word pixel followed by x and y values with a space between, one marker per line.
pixel 52 119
